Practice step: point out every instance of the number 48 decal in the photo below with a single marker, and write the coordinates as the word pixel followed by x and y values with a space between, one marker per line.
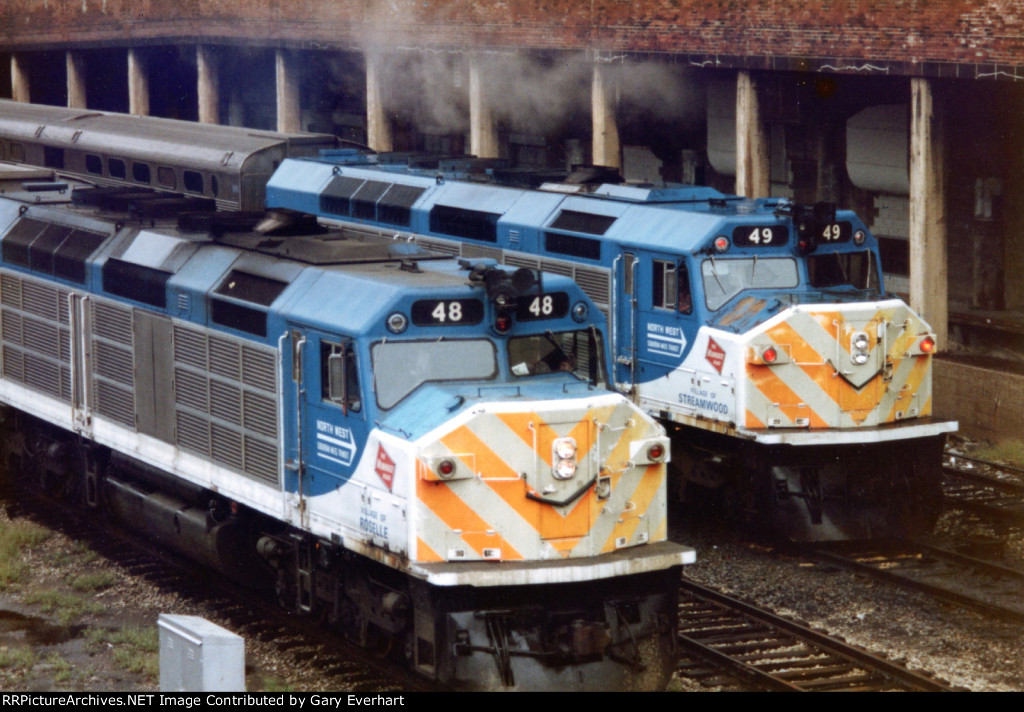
pixel 542 306
pixel 553 305
pixel 447 311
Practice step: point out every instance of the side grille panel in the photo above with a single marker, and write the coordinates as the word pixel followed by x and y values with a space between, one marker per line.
pixel 223 390
pixel 226 401
pixel 35 336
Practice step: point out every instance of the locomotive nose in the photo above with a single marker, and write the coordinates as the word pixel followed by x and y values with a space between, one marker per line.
pixel 840 366
pixel 585 478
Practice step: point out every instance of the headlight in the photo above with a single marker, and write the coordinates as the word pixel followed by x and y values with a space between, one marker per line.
pixel 860 346
pixel 565 469
pixel 564 450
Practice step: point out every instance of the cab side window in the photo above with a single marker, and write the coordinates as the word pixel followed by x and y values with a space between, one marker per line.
pixel 685 303
pixel 663 285
pixel 339 376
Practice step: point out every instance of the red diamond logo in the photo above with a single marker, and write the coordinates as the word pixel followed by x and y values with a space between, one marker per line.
pixel 385 467
pixel 715 355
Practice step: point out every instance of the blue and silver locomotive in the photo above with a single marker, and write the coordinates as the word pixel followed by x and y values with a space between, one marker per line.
pixel 758 331
pixel 422 451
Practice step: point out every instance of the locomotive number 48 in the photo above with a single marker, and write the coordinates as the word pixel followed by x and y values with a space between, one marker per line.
pixel 542 306
pixel 447 311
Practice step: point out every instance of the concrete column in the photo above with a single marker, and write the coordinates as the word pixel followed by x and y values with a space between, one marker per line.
pixel 607 150
pixel 483 132
pixel 752 162
pixel 288 112
pixel 928 281
pixel 828 179
pixel 76 80
pixel 379 134
pixel 19 79
pixel 208 84
pixel 138 83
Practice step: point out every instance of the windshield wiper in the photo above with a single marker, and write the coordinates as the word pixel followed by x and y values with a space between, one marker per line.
pixel 714 273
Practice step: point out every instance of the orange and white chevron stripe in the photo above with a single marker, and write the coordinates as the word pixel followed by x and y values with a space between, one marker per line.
pixel 839 367
pixel 487 487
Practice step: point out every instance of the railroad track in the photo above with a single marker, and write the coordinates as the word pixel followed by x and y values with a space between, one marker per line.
pixel 300 641
pixel 985 586
pixel 734 645
pixel 988 490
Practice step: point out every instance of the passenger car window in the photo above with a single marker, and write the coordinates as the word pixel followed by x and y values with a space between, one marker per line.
pixel 165 177
pixel 140 172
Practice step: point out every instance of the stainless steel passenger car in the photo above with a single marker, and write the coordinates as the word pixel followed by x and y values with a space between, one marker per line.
pixel 228 164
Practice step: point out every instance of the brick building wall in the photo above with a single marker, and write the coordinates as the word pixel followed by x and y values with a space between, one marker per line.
pixel 962 38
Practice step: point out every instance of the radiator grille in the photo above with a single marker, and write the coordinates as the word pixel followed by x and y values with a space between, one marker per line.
pixel 594 283
pixel 112 322
pixel 225 391
pixel 113 367
pixel 36 341
pixel 40 300
pixel 10 291
pixel 225 399
pixel 114 402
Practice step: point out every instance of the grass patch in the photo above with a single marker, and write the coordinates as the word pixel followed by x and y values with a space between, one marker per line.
pixel 66 607
pixel 1010 451
pixel 136 650
pixel 79 552
pixel 17 659
pixel 16 537
pixel 272 684
pixel 62 670
pixel 95 581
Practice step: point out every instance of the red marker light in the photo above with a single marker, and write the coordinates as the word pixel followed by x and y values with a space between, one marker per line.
pixel 502 323
pixel 769 355
pixel 445 468
pixel 927 345
pixel 655 452
pixel 721 243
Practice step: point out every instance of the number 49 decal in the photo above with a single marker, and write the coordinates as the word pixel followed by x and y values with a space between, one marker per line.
pixel 760 235
pixel 835 232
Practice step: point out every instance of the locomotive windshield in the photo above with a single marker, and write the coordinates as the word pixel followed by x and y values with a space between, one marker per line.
pixel 724 279
pixel 400 367
pixel 834 269
pixel 576 352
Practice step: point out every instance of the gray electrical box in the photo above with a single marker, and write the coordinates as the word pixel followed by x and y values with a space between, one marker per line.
pixel 199 656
